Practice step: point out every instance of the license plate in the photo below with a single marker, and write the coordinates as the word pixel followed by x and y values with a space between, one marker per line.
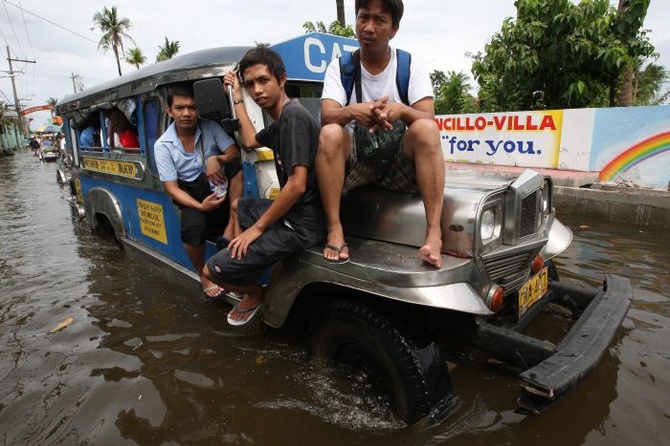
pixel 533 290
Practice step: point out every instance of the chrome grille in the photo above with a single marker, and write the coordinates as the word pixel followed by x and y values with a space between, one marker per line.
pixel 529 215
pixel 508 272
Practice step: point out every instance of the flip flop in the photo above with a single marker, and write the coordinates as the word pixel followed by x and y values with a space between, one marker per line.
pixel 212 288
pixel 338 249
pixel 249 314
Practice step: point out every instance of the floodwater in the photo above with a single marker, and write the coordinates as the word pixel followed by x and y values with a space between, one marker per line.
pixel 148 362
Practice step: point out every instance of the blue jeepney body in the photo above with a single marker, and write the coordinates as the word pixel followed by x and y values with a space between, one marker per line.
pixel 121 185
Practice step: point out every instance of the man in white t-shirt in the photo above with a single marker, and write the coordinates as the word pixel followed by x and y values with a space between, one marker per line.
pixel 376 138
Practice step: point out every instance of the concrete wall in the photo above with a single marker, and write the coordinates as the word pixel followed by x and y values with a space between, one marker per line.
pixel 641 208
pixel 631 143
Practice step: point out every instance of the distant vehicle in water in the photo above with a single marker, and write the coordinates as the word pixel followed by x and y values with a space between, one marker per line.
pixel 384 319
pixel 48 152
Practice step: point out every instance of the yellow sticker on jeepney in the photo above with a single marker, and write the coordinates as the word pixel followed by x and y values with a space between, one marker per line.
pixel 127 169
pixel 77 191
pixel 152 222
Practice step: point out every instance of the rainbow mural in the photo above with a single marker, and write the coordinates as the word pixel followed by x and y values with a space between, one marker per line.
pixel 634 155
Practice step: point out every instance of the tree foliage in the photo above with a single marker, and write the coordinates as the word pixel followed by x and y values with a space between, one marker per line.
pixel 648 85
pixel 335 28
pixel 437 79
pixel 168 50
pixel 113 30
pixel 134 56
pixel 452 93
pixel 558 54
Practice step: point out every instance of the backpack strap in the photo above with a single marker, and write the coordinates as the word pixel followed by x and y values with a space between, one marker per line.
pixel 404 60
pixel 350 74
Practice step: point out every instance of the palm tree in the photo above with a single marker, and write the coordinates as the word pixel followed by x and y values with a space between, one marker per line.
pixel 113 30
pixel 340 12
pixel 168 50
pixel 630 19
pixel 135 57
pixel 54 118
pixel 52 101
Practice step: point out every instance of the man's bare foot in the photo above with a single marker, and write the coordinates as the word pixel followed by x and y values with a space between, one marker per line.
pixel 336 250
pixel 430 252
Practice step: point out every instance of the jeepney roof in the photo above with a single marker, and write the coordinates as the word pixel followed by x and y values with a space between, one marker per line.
pixel 190 66
pixel 305 58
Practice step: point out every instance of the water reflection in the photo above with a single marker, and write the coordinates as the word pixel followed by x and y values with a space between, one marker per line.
pixel 147 361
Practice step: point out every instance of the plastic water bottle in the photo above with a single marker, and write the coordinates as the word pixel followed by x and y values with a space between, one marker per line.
pixel 221 189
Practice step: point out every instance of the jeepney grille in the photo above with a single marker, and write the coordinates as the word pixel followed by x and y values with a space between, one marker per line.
pixel 509 272
pixel 529 215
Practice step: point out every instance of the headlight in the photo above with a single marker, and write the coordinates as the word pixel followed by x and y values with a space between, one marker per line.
pixel 490 225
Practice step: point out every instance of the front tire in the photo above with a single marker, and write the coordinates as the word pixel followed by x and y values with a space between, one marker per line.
pixel 408 373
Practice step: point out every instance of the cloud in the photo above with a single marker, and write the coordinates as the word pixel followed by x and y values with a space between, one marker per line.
pixel 439 32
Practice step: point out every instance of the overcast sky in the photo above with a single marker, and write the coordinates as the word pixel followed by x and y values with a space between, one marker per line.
pixel 61 41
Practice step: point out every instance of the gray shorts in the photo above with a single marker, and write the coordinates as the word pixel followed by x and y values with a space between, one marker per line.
pixel 277 242
pixel 400 176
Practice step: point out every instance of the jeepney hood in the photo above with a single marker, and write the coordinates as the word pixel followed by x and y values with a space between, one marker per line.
pixel 378 214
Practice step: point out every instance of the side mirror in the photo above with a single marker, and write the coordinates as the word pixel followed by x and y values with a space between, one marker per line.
pixel 212 103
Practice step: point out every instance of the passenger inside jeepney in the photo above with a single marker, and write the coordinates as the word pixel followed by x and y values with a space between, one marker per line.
pixel 194 156
pixel 121 134
pixel 90 135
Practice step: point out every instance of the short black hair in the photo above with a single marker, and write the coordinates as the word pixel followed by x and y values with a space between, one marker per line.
pixel 395 7
pixel 264 56
pixel 180 89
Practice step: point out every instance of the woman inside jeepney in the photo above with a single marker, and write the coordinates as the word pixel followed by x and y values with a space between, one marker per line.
pixel 121 132
pixel 90 135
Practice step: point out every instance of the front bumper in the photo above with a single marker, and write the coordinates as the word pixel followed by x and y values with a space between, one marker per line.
pixel 552 370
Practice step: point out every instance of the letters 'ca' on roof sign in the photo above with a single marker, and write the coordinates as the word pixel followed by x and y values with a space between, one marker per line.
pixel 307 57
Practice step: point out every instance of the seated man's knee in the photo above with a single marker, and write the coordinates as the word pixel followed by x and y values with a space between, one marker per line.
pixel 425 127
pixel 332 139
pixel 423 134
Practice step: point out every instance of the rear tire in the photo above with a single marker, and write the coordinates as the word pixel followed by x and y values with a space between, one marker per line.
pixel 408 373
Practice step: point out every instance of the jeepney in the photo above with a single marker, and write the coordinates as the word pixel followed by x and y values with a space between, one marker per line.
pixel 385 319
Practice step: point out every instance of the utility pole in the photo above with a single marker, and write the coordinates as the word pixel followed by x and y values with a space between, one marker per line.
pixel 77 83
pixel 13 74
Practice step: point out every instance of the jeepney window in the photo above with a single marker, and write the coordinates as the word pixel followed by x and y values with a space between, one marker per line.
pixel 88 133
pixel 152 116
pixel 121 132
pixel 309 96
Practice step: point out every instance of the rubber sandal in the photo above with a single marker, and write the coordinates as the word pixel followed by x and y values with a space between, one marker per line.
pixel 249 313
pixel 337 249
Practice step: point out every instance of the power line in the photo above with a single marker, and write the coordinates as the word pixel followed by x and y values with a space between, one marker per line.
pixel 8 101
pixel 49 21
pixel 4 37
pixel 25 25
pixel 11 23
